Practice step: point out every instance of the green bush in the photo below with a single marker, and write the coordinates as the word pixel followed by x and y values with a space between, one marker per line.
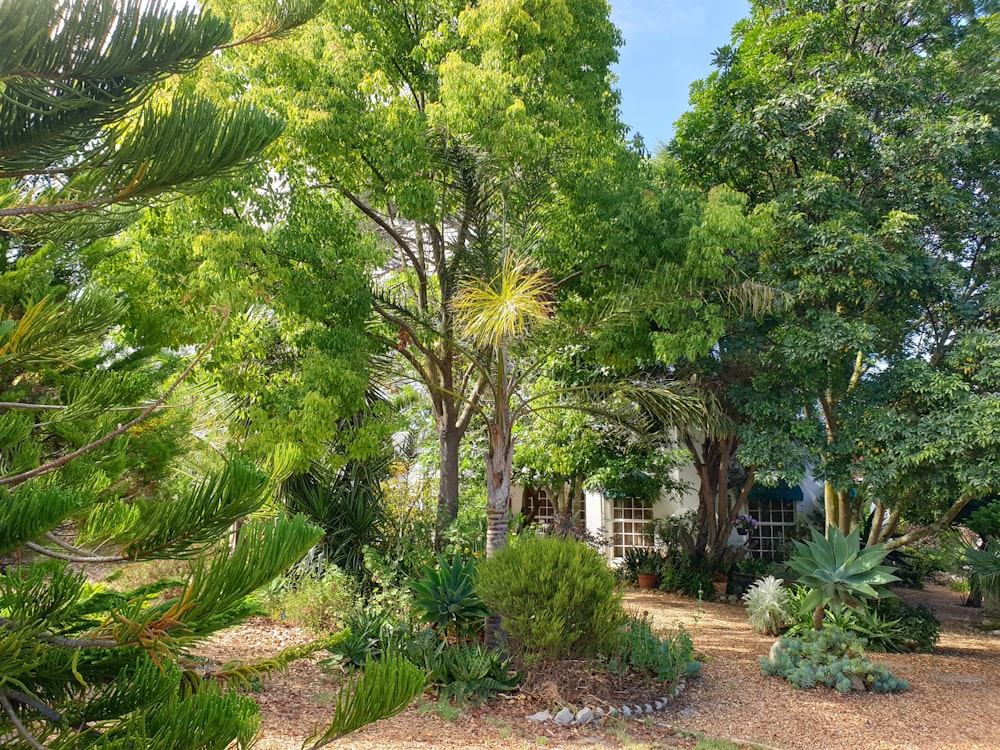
pixel 681 575
pixel 317 602
pixel 636 648
pixel 556 597
pixel 470 671
pixel 831 657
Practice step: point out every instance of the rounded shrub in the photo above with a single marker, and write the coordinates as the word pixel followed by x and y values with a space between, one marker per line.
pixel 556 597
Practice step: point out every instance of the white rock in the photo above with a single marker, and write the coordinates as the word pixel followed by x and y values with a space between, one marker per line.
pixel 564 717
pixel 659 705
pixel 584 716
pixel 540 716
pixel 626 712
pixel 648 708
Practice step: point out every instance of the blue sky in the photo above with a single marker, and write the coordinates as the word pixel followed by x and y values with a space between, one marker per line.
pixel 668 45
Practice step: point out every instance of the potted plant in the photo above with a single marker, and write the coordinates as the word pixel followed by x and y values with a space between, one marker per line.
pixel 745 571
pixel 719 583
pixel 647 563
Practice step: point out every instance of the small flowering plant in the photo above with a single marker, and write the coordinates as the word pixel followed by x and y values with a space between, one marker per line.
pixel 744 523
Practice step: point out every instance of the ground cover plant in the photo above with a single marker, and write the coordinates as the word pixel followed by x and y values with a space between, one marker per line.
pixel 830 657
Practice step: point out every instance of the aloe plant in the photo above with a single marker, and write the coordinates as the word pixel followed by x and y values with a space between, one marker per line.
pixel 839 573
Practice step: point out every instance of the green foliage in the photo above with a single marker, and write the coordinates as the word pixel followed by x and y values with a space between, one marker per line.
pixel 838 572
pixel 348 507
pixel 446 597
pixel 769 605
pixel 887 626
pixel 829 657
pixel 556 597
pixel 636 649
pixel 316 601
pixel 382 689
pixel 470 671
pixel 638 560
pixel 985 520
pixel 984 574
pixel 684 576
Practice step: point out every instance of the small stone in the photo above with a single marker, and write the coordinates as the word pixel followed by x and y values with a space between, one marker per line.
pixel 626 712
pixel 637 710
pixel 613 711
pixel 659 705
pixel 598 711
pixel 857 684
pixel 584 716
pixel 648 708
pixel 564 717
pixel 688 712
pixel 540 716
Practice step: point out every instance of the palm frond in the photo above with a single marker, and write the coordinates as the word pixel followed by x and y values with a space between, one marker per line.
pixel 505 307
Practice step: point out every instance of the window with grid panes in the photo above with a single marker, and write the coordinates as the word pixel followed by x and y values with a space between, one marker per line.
pixel 628 524
pixel 776 517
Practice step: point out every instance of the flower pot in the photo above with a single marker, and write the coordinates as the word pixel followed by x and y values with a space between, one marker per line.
pixel 720 588
pixel 647 580
pixel 740 582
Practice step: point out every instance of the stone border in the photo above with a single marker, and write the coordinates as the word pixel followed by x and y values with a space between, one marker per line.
pixel 566 718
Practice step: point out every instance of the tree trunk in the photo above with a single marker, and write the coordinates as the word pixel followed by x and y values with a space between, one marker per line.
pixel 499 459
pixel 818 616
pixel 449 440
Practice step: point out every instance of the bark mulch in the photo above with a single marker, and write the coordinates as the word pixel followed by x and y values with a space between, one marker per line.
pixel 953 704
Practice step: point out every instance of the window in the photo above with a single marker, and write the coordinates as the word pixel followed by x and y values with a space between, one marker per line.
pixel 628 528
pixel 776 517
pixel 537 506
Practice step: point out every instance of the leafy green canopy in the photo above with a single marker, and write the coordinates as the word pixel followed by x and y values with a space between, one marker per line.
pixel 871 127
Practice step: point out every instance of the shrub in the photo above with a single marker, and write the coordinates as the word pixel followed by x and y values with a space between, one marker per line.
pixel 769 606
pixel 636 648
pixel 681 575
pixel 890 626
pixel 838 572
pixel 830 657
pixel 556 596
pixel 320 603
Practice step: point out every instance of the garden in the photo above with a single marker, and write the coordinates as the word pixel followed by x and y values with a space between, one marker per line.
pixel 365 381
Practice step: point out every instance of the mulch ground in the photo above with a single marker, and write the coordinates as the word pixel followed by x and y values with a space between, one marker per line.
pixel 954 703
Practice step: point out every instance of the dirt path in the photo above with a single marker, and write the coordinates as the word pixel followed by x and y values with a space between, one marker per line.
pixel 954 703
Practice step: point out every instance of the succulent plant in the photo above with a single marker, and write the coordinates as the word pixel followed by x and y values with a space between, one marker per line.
pixel 447 598
pixel 839 573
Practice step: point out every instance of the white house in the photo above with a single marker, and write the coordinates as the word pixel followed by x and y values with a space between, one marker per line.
pixel 623 520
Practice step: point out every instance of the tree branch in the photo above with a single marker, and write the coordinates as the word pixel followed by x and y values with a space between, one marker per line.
pixel 51 466
pixel 21 729
pixel 926 531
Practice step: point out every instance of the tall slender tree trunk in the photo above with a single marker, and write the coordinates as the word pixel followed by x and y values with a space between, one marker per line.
pixel 499 460
pixel 449 442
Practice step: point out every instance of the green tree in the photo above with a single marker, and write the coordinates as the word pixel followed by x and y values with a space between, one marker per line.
pixel 871 127
pixel 88 138
pixel 452 128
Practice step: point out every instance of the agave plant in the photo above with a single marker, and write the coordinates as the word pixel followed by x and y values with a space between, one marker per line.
pixel 446 596
pixel 839 573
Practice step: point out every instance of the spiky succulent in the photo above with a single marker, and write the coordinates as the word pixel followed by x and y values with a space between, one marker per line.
pixel 838 572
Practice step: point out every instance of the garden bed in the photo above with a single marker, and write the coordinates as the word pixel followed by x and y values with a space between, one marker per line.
pixel 953 704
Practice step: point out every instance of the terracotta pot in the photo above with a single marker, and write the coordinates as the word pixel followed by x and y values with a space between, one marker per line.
pixel 720 587
pixel 647 580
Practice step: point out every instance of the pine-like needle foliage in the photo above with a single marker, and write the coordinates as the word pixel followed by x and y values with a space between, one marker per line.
pixel 88 434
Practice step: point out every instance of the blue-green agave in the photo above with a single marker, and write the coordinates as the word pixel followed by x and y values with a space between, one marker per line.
pixel 839 573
